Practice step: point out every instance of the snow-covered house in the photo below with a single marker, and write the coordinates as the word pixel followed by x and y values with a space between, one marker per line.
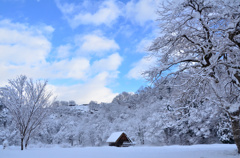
pixel 119 139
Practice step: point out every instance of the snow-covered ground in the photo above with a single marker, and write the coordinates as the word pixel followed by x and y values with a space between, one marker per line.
pixel 195 151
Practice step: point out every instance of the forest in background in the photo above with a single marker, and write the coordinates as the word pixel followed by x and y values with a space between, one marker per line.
pixel 147 116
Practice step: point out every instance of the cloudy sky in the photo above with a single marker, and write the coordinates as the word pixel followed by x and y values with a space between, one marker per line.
pixel 87 49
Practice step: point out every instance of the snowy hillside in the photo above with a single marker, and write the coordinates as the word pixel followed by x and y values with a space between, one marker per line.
pixel 144 116
pixel 195 151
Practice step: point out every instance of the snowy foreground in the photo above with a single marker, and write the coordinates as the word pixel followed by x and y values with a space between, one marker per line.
pixel 195 151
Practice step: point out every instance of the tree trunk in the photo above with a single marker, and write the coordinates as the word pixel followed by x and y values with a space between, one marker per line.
pixel 26 145
pixel 21 143
pixel 26 142
pixel 236 129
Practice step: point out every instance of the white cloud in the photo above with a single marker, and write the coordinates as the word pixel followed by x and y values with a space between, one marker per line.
pixel 93 90
pixel 76 68
pixel 107 12
pixel 99 75
pixel 66 8
pixel 141 66
pixel 142 11
pixel 143 45
pixel 95 44
pixel 24 50
pixel 111 63
pixel 20 44
pixel 63 51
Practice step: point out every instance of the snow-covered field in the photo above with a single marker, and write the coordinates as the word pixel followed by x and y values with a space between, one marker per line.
pixel 195 151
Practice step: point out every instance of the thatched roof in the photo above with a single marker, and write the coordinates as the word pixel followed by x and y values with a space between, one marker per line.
pixel 115 136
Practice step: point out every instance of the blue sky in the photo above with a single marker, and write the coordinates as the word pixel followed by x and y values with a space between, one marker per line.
pixel 88 50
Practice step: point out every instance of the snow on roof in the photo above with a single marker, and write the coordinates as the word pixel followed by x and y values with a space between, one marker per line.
pixel 114 137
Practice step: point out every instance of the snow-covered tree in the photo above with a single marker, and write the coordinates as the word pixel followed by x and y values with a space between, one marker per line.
pixel 93 106
pixel 72 103
pixel 64 103
pixel 224 129
pixel 199 49
pixel 27 102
